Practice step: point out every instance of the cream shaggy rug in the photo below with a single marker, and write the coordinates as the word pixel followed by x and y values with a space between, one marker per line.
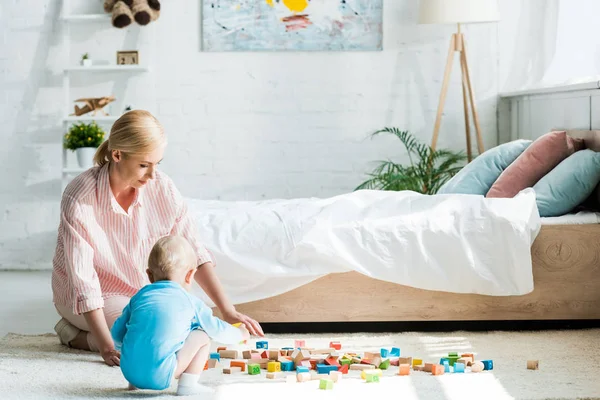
pixel 38 367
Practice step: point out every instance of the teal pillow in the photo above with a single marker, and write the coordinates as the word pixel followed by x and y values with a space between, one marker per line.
pixel 478 176
pixel 568 184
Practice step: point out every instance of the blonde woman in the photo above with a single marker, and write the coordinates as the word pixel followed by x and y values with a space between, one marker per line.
pixel 111 217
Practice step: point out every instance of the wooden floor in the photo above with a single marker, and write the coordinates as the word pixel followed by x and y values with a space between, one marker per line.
pixel 566 268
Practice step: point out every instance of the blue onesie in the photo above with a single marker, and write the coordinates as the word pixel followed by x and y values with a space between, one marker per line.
pixel 154 326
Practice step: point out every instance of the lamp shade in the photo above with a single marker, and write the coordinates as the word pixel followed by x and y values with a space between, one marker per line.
pixel 457 11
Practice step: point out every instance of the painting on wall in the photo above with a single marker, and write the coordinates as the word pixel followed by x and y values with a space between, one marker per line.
pixel 298 25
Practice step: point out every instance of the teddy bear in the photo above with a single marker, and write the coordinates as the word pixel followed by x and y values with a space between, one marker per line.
pixel 126 11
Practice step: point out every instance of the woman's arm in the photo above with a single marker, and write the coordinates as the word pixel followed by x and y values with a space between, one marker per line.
pixel 99 330
pixel 209 282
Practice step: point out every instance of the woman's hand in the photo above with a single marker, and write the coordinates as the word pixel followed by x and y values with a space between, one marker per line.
pixel 232 316
pixel 111 357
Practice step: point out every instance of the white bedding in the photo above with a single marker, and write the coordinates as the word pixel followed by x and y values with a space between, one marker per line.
pixel 454 243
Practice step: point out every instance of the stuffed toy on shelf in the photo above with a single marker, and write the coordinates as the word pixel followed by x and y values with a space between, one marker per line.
pixel 124 12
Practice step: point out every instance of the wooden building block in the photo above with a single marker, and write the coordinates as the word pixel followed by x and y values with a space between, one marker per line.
pixel 215 356
pixel 322 351
pixel 300 355
pixel 371 355
pixel 326 384
pixel 255 356
pixel 303 377
pixel 213 363
pixel 332 361
pixel 404 369
pixel 274 366
pixel 372 378
pixel 231 370
pixel 299 343
pixel 405 360
pixel 368 372
pixel 274 354
pixel 335 345
pixel 344 369
pixel 417 361
pixel 274 375
pixel 384 353
pixel 221 348
pixel 361 367
pixel 533 364
pixel 229 354
pixel 437 369
pixel 488 365
pixel 459 367
pixel 305 363
pixel 467 361
pixel 477 366
pixel 395 352
pixel 263 344
pixel 253 369
pixel 385 364
pixel 335 376
pixel 239 363
pixel 247 354
pixel 418 367
pixel 395 362
pixel 264 354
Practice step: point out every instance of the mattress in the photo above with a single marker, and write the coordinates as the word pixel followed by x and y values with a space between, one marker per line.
pixel 579 218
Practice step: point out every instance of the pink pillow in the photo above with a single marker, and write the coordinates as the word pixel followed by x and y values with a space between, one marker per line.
pixel 537 160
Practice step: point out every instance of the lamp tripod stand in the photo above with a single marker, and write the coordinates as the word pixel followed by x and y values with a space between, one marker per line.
pixel 457 43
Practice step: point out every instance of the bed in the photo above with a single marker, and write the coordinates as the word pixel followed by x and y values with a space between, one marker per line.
pixel 564 257
pixel 566 270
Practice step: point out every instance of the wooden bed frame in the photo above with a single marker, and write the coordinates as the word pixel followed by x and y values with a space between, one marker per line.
pixel 566 270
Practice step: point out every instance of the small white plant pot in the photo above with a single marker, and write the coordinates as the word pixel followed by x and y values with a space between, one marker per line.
pixel 85 157
pixel 86 62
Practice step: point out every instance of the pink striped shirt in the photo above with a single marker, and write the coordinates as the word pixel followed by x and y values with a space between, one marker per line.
pixel 102 251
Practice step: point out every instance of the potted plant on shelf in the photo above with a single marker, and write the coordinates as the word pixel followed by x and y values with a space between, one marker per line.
pixel 84 139
pixel 85 60
pixel 427 172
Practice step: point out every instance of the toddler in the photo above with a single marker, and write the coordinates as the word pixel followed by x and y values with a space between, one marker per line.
pixel 164 331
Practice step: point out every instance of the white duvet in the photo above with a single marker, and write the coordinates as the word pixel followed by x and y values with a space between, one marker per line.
pixel 453 243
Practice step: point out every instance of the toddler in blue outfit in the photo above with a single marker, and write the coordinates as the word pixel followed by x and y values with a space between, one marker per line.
pixel 164 331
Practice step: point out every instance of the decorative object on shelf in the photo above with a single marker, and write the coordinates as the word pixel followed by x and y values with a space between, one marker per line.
pixel 292 25
pixel 85 60
pixel 93 104
pixel 129 57
pixel 125 11
pixel 428 170
pixel 458 12
pixel 84 139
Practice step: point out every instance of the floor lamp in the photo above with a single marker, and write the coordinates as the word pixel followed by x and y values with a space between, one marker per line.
pixel 458 12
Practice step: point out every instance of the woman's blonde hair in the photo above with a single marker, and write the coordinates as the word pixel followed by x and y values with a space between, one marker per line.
pixel 135 132
pixel 169 255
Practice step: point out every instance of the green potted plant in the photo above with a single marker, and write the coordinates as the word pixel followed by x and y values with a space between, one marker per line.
pixel 84 139
pixel 85 60
pixel 426 172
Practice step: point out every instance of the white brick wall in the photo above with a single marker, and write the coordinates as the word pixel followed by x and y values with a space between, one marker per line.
pixel 241 125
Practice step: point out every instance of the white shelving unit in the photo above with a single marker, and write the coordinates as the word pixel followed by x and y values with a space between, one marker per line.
pixel 68 18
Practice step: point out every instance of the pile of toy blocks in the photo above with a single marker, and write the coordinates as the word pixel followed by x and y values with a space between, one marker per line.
pixel 328 365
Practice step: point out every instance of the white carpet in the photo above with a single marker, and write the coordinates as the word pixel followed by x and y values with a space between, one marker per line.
pixel 38 367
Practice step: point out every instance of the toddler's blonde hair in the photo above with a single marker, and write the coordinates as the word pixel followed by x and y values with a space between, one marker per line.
pixel 169 255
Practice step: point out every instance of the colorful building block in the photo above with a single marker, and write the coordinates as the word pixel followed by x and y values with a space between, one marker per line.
pixel 286 365
pixel 344 369
pixel 229 354
pixel 221 348
pixel 437 369
pixel 262 344
pixel 215 356
pixel 385 364
pixel 372 378
pixel 487 365
pixel 477 366
pixel 453 359
pixel 345 361
pixel 274 366
pixel 326 384
pixel 384 353
pixel 325 369
pixel 459 367
pixel 253 369
pixel 335 345
pixel 533 364
pixel 446 365
pixel 361 367
pixel 428 367
pixel 395 352
pixel 417 361
pixel 300 369
pixel 453 354
pixel 444 359
pixel 213 363
pixel 404 369
pixel 368 372
pixel 231 370
pixel 332 361
pixel 299 343
pixel 239 363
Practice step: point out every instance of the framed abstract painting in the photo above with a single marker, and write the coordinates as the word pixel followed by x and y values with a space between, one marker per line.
pixel 296 25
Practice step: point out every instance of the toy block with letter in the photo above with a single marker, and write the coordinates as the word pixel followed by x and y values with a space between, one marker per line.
pixel 253 369
pixel 274 366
